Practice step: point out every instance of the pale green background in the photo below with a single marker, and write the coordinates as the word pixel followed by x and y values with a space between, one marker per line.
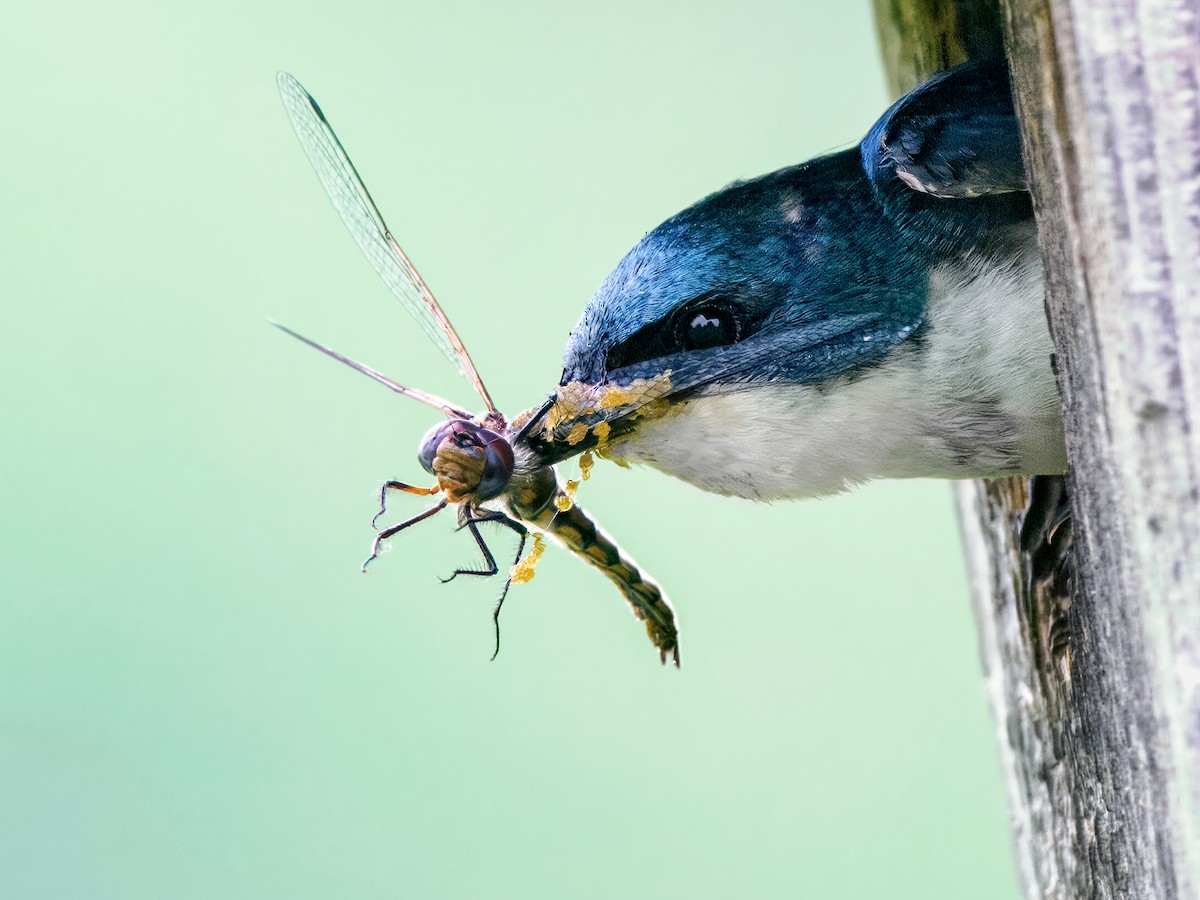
pixel 201 697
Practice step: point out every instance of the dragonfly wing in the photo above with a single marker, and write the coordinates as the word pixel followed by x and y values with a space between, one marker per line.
pixel 420 396
pixel 364 221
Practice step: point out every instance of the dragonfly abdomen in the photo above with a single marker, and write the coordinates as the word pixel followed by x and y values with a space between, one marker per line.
pixel 534 502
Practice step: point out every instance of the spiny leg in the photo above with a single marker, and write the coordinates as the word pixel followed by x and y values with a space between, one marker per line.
pixel 395 529
pixel 524 533
pixel 400 486
pixel 471 519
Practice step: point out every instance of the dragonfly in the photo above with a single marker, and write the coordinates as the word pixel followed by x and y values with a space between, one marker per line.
pixel 471 456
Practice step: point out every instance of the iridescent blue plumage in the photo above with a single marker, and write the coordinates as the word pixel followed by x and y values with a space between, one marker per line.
pixel 803 254
pixel 875 312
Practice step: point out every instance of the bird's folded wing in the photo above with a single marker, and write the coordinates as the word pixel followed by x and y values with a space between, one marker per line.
pixel 954 137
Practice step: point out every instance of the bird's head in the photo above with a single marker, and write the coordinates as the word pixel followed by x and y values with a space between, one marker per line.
pixel 875 312
pixel 794 279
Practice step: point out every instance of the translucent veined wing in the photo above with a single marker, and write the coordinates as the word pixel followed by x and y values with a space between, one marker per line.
pixel 420 396
pixel 362 217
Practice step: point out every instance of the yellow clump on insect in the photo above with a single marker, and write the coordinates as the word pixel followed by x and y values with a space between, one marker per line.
pixel 523 571
pixel 577 433
pixel 567 499
pixel 577 400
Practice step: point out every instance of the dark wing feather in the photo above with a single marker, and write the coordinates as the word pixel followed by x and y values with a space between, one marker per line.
pixel 953 137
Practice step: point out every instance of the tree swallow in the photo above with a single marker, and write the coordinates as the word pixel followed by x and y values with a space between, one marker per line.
pixel 874 313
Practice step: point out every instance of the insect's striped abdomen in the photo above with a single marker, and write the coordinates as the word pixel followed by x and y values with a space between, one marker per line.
pixel 533 497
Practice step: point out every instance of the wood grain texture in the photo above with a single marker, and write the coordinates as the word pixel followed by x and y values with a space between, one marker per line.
pixel 1021 589
pixel 1107 91
pixel 1094 677
pixel 919 38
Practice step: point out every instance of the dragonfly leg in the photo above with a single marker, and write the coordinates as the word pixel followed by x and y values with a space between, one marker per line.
pixel 489 561
pixel 396 529
pixel 501 519
pixel 400 486
pixel 471 520
pixel 524 533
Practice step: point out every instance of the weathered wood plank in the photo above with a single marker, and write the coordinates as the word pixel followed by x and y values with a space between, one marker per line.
pixel 1020 592
pixel 1110 106
pixel 919 38
pixel 1095 680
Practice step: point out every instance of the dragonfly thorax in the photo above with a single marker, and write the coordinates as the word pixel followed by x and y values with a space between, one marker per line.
pixel 470 462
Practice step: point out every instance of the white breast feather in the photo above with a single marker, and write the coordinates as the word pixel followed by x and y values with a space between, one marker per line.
pixel 975 397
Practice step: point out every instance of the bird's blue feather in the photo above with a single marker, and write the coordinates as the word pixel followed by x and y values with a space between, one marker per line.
pixel 900 274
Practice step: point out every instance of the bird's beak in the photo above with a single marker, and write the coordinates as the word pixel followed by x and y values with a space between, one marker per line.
pixel 579 417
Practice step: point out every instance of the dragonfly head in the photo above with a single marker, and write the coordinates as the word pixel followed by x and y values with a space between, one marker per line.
pixel 470 462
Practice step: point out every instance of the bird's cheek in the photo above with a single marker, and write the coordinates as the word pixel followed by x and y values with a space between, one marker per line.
pixel 640 436
pixel 717 443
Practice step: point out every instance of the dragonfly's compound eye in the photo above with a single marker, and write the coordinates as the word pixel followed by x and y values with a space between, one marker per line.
pixel 433 439
pixel 498 468
pixel 467 459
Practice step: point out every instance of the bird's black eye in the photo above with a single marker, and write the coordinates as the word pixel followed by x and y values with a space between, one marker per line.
pixel 710 320
pixel 708 326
